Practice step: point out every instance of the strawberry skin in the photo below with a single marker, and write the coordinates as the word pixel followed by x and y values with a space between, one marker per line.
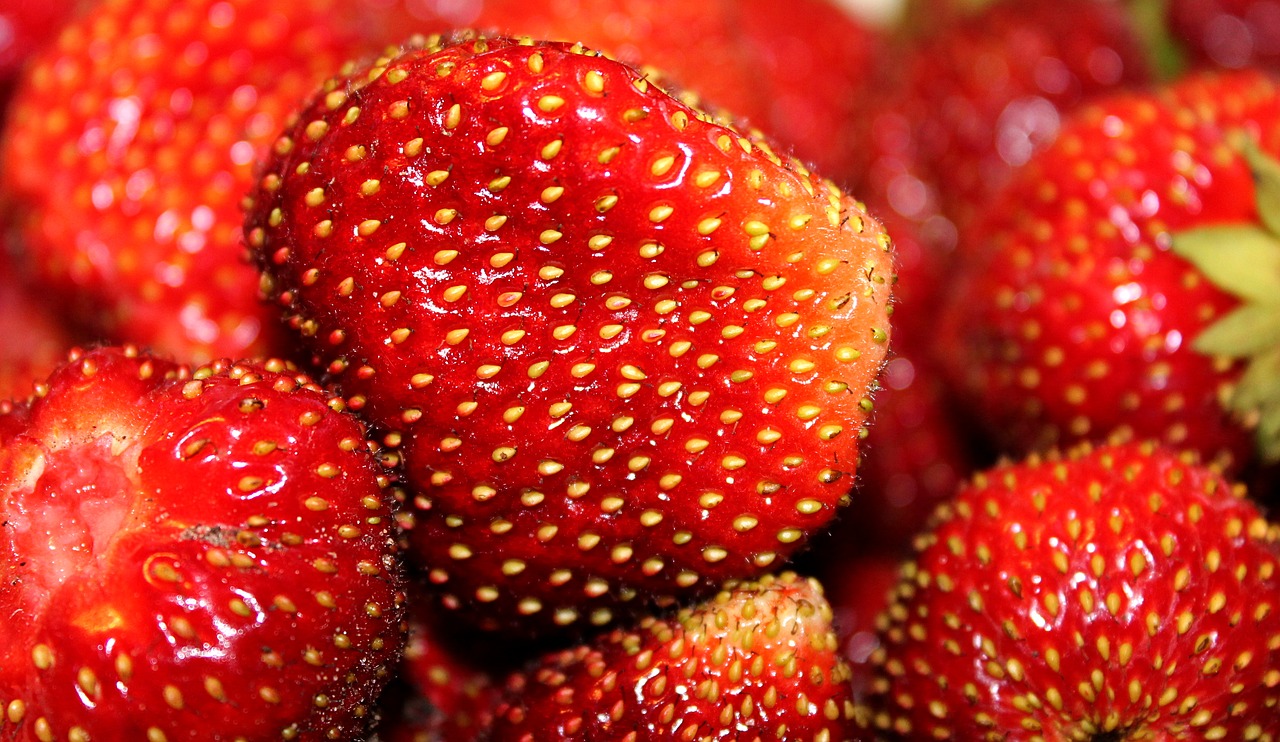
pixel 1117 592
pixel 191 554
pixel 624 350
pixel 1075 318
pixel 794 68
pixel 757 661
pixel 131 141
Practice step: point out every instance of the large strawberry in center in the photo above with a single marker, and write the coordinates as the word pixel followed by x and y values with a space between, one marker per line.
pixel 624 348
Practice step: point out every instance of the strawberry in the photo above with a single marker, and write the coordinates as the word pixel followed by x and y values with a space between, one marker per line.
pixel 191 553
pixel 1122 591
pixel 1228 33
pixel 624 349
pixel 758 661
pixel 1094 278
pixel 794 68
pixel 131 141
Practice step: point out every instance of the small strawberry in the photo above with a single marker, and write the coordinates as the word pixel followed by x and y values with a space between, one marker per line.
pixel 1121 592
pixel 758 661
pixel 625 349
pixel 191 554
pixel 131 141
pixel 1094 278
pixel 794 68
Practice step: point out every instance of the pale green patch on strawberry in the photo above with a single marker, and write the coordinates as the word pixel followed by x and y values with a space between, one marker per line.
pixel 1244 260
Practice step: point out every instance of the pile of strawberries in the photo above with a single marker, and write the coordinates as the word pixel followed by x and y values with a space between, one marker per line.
pixel 639 369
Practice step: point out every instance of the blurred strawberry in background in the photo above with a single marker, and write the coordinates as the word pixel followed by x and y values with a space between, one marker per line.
pixel 1228 33
pixel 130 142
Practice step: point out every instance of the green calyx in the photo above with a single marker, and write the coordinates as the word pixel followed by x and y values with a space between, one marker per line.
pixel 1244 260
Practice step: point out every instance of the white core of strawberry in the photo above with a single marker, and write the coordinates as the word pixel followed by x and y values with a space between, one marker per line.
pixel 65 506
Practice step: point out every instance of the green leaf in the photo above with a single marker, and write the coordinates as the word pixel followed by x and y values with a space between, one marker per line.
pixel 1248 330
pixel 1256 399
pixel 1242 260
pixel 1165 51
pixel 1266 178
pixel 1268 435
pixel 1259 385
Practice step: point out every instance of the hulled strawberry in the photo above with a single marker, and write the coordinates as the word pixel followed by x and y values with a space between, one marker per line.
pixel 757 661
pixel 131 141
pixel 1106 261
pixel 625 349
pixel 191 554
pixel 1121 592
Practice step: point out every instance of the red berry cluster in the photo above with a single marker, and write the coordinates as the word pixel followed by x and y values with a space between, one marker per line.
pixel 639 369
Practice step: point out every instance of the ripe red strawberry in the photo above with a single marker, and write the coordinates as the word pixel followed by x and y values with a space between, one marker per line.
pixel 626 350
pixel 758 661
pixel 1080 318
pixel 1121 592
pixel 188 554
pixel 964 102
pixel 797 69
pixel 131 142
